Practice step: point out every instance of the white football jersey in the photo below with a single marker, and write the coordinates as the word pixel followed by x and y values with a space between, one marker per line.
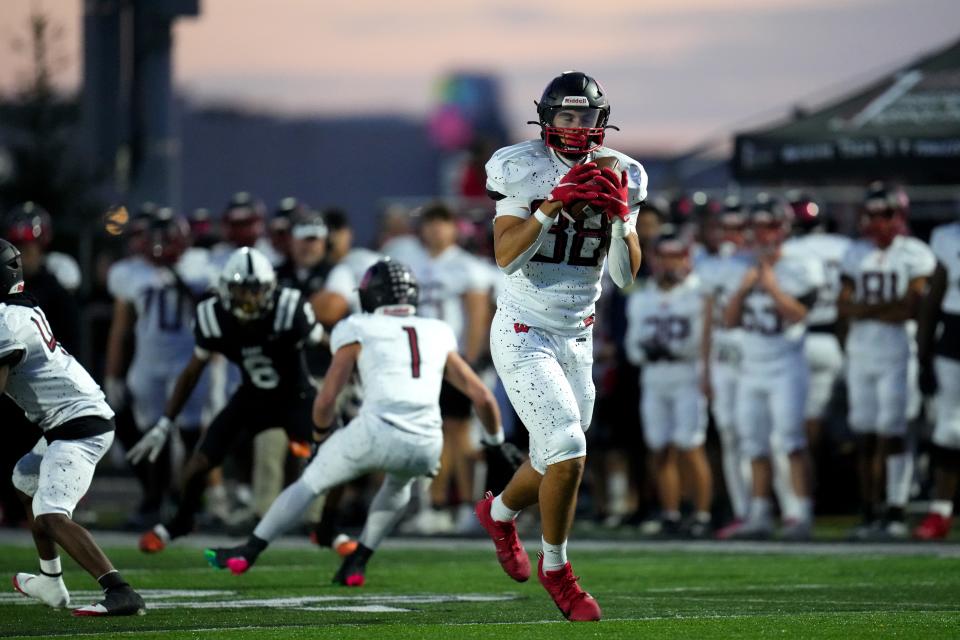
pixel 444 280
pixel 345 277
pixel 404 248
pixel 945 243
pixel 674 318
pixel 829 249
pixel 558 288
pixel 883 275
pixel 65 269
pixel 165 312
pixel 719 276
pixel 47 383
pixel 766 336
pixel 401 365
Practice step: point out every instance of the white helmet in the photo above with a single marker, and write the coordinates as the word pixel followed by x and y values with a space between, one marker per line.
pixel 247 283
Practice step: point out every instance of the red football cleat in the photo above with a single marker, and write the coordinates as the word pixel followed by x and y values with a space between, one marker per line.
pixel 150 542
pixel 725 532
pixel 510 552
pixel 356 580
pixel 933 527
pixel 343 545
pixel 574 603
pixel 238 565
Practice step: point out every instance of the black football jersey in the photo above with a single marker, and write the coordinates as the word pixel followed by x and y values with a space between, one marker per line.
pixel 307 281
pixel 268 349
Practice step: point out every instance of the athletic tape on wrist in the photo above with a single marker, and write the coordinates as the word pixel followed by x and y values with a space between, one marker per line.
pixel 543 218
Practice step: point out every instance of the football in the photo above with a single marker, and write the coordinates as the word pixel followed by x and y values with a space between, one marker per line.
pixel 581 209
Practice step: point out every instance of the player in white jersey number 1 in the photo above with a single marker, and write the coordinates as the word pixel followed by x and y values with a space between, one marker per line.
pixel 402 360
pixel 541 337
pixel 57 394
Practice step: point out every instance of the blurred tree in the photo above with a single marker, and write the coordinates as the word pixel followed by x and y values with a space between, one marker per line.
pixel 40 130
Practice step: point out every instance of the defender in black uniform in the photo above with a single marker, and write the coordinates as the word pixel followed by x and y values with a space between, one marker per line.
pixel 263 329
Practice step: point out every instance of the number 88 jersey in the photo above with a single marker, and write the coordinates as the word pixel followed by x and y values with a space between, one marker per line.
pixel 558 288
pixel 883 275
pixel 266 349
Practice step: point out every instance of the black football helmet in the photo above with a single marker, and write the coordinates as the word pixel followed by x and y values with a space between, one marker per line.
pixel 883 215
pixel 28 222
pixel 573 91
pixel 168 237
pixel 388 283
pixel 770 219
pixel 807 215
pixel 11 270
pixel 242 219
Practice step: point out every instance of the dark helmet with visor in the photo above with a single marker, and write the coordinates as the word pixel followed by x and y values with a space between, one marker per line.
pixel 573 113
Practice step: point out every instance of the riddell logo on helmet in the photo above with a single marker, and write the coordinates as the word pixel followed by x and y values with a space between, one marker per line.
pixel 575 101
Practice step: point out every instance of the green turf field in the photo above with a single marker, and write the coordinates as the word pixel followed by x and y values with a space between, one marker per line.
pixel 655 592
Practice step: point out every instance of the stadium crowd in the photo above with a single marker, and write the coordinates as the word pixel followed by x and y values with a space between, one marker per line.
pixel 697 432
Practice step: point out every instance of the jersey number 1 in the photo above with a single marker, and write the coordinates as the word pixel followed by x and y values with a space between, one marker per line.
pixel 414 351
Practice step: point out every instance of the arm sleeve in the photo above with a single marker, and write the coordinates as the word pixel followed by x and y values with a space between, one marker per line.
pixel 504 174
pixel 305 325
pixel 513 206
pixel 618 260
pixel 117 279
pixel 449 338
pixel 806 287
pixel 477 277
pixel 938 245
pixel 631 341
pixel 848 264
pixel 11 344
pixel 206 328
pixel 618 255
pixel 341 281
pixel 346 332
pixel 923 261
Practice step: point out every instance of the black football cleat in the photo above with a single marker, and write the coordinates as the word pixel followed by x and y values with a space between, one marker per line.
pixel 237 559
pixel 122 601
pixel 352 569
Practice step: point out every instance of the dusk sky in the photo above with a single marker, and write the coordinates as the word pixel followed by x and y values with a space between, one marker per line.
pixel 676 71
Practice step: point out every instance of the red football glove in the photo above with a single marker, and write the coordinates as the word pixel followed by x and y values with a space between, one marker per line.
pixel 613 193
pixel 573 186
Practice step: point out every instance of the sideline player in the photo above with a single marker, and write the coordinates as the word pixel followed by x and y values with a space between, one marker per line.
pixel 884 277
pixel 541 338
pixel 455 288
pixel 263 329
pixel 822 346
pixel 721 353
pixel 402 360
pixel 664 334
pixel 57 394
pixel 155 295
pixel 939 350
pixel 771 305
